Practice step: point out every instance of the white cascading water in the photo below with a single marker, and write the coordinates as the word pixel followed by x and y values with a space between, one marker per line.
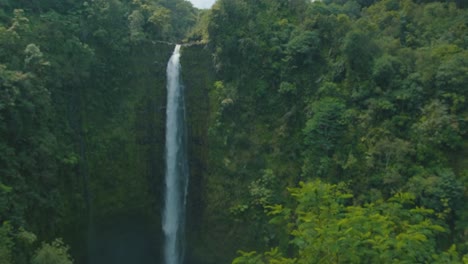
pixel 176 165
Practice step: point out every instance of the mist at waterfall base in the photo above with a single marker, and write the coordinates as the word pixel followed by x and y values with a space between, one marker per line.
pixel 176 165
pixel 124 240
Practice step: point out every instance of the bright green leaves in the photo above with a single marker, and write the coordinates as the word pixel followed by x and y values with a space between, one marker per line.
pixel 271 257
pixel 35 61
pixel 53 253
pixel 262 189
pixel 262 195
pixel 19 23
pixel 326 229
pixel 437 126
pixel 16 245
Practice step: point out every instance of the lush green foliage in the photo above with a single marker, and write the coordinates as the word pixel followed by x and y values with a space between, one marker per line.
pixel 53 253
pixel 366 95
pixel 370 93
pixel 67 74
pixel 324 229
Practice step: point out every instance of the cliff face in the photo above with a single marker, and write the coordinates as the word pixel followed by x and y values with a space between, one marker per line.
pixel 198 76
pixel 128 167
pixel 213 236
pixel 124 138
pixel 125 145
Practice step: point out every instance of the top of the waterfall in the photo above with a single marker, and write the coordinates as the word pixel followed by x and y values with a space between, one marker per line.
pixel 186 44
pixel 177 49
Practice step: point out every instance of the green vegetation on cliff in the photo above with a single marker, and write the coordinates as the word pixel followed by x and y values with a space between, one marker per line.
pixel 366 94
pixel 82 84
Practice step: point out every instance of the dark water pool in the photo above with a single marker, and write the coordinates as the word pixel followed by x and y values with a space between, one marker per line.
pixel 124 240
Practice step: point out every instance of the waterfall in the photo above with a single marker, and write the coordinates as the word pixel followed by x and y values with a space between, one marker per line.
pixel 176 165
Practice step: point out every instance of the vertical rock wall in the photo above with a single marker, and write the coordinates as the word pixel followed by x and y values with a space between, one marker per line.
pixel 125 160
pixel 198 77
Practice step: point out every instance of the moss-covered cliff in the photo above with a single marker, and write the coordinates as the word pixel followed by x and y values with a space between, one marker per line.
pixel 82 98
pixel 198 76
pixel 126 156
pixel 124 153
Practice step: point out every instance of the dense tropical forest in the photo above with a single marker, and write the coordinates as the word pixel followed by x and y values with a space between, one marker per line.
pixel 330 131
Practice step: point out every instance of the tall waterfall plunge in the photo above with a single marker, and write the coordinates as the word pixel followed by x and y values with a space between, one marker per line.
pixel 176 165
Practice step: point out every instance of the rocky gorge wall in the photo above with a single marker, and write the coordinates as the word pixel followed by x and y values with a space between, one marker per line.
pixel 124 161
pixel 198 76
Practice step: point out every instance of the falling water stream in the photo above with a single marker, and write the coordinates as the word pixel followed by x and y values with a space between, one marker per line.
pixel 176 165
